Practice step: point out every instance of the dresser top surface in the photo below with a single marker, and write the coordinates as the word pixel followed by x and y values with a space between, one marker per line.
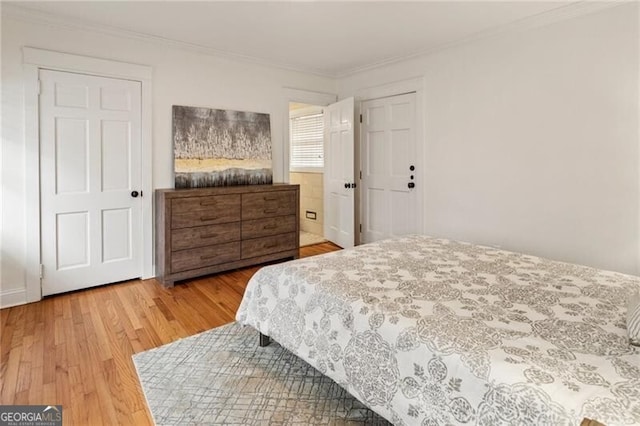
pixel 219 190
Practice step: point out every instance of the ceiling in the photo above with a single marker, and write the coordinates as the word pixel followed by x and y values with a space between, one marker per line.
pixel 322 37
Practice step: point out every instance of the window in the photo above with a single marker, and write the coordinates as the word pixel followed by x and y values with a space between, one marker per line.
pixel 307 139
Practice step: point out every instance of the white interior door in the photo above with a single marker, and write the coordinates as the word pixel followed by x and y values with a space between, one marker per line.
pixel 390 168
pixel 90 159
pixel 339 177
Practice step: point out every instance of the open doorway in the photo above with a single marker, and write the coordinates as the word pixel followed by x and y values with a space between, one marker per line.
pixel 306 168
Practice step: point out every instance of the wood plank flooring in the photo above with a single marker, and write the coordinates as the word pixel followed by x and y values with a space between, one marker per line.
pixel 75 349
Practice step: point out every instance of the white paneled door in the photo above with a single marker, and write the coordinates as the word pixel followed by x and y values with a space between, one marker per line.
pixel 339 177
pixel 390 168
pixel 90 159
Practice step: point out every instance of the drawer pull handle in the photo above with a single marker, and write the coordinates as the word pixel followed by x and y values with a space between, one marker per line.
pixel 270 198
pixel 208 257
pixel 270 211
pixel 206 219
pixel 271 245
pixel 208 203
pixel 269 226
pixel 208 236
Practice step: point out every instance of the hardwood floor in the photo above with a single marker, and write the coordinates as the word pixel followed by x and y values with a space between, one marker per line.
pixel 75 349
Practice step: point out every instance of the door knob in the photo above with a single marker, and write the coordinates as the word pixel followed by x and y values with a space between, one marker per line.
pixel 346 185
pixel 353 185
pixel 411 185
pixel 412 168
pixel 134 194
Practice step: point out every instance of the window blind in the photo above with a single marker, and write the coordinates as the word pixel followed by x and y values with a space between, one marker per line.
pixel 307 142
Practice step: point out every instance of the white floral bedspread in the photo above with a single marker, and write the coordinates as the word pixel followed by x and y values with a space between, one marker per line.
pixel 431 332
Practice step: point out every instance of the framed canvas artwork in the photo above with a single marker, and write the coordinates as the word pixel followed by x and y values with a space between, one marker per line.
pixel 215 147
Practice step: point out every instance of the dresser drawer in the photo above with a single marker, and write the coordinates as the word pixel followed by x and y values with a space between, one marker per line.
pixel 268 204
pixel 270 226
pixel 201 257
pixel 223 209
pixel 268 245
pixel 208 203
pixel 200 236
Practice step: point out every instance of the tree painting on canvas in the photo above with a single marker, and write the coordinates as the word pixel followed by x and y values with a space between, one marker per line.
pixel 215 147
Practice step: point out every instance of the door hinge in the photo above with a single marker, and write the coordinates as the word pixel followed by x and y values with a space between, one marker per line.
pixel 361 118
pixel 41 271
pixel 39 87
pixel 360 174
pixel 361 228
pixel 140 194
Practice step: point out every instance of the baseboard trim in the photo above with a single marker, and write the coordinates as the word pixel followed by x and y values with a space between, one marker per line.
pixel 11 298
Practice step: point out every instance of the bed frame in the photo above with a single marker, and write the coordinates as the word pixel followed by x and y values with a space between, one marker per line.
pixel 264 340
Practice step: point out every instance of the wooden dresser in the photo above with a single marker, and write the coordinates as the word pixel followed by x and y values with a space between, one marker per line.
pixel 207 230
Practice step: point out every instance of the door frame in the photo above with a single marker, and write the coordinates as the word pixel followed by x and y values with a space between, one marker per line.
pixel 411 85
pixel 33 60
pixel 304 97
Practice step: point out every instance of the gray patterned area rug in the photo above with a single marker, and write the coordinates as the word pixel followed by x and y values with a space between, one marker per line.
pixel 222 376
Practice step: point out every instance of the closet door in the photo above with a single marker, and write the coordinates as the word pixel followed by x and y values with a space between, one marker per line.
pixel 90 159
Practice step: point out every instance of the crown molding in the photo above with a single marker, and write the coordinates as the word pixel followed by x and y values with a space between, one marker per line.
pixel 561 13
pixel 56 21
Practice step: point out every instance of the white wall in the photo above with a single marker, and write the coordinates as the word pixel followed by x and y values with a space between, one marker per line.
pixel 531 139
pixel 180 77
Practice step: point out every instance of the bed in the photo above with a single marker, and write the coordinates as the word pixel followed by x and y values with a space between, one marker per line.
pixel 432 332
